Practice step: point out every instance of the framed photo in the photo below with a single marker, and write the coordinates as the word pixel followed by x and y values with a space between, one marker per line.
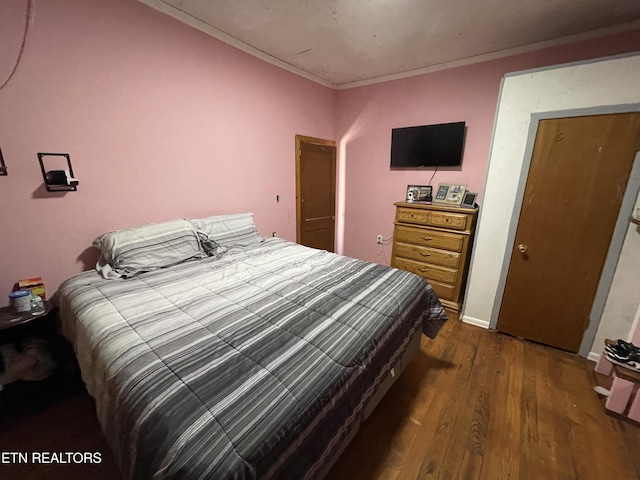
pixel 426 192
pixel 419 193
pixel 469 200
pixel 413 193
pixel 450 194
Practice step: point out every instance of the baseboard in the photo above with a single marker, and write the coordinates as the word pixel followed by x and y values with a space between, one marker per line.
pixel 475 321
pixel 593 356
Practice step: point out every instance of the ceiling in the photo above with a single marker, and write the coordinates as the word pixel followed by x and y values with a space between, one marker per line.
pixel 346 43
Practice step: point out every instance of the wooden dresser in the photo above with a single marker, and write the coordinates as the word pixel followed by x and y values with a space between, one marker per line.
pixel 435 241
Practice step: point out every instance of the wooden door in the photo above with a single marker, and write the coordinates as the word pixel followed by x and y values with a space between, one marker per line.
pixel 577 178
pixel 315 192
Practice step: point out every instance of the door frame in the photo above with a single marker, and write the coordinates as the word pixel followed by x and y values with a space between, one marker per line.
pixel 619 233
pixel 316 141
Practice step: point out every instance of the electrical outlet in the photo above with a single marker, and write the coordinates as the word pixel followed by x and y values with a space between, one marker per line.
pixel 379 239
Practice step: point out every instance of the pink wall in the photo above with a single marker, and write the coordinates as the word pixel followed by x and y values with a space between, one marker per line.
pixel 161 121
pixel 366 115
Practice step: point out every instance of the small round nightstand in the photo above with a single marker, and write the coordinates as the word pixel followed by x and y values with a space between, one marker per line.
pixel 13 325
pixel 25 396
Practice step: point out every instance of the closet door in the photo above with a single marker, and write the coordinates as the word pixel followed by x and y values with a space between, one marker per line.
pixel 579 170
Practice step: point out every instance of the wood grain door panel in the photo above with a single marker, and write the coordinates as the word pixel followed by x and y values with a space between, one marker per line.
pixel 315 192
pixel 579 170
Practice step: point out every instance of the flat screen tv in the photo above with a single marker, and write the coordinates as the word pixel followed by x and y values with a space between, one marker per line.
pixel 427 145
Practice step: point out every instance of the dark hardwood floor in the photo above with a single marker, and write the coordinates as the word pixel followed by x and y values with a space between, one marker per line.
pixel 477 404
pixel 68 425
pixel 473 404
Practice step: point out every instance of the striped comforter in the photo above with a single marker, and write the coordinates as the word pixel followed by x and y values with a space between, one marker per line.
pixel 252 365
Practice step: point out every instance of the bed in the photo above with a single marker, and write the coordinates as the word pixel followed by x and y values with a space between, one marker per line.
pixel 239 356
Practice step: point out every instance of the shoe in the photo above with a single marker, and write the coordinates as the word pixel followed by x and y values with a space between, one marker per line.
pixel 622 344
pixel 631 362
pixel 622 349
pixel 623 354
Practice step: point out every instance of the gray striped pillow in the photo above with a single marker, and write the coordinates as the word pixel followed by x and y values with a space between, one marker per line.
pixel 236 230
pixel 149 247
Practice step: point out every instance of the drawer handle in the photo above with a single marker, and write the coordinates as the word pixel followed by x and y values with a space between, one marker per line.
pixel 422 269
pixel 427 238
pixel 425 254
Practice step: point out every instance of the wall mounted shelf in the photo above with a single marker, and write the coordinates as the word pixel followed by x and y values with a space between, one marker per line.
pixel 3 167
pixel 58 180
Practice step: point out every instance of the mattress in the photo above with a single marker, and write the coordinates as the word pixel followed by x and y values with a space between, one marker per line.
pixel 253 365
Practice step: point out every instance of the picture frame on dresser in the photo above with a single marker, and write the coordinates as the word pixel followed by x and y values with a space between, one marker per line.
pixel 419 193
pixel 450 194
pixel 469 200
pixel 413 193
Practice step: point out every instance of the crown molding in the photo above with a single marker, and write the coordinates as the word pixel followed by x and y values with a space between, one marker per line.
pixel 204 27
pixel 625 27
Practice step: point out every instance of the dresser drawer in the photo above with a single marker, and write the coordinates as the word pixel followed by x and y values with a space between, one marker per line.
pixel 429 238
pixel 427 270
pixel 444 292
pixel 434 241
pixel 455 221
pixel 426 254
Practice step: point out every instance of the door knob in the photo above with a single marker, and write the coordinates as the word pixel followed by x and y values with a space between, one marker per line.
pixel 523 247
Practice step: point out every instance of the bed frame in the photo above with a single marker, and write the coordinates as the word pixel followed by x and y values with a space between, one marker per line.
pixel 390 378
